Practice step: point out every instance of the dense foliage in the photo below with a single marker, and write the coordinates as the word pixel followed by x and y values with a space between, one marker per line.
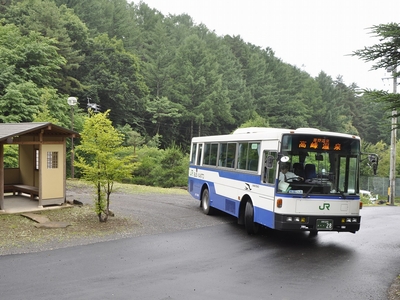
pixel 164 79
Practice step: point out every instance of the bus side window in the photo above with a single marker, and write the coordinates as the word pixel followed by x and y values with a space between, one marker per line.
pixel 243 156
pixel 206 156
pixel 199 152
pixel 213 154
pixel 253 157
pixel 222 154
pixel 231 155
pixel 193 156
pixel 210 154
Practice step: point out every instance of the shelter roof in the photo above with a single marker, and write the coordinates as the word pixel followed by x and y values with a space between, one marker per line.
pixel 10 130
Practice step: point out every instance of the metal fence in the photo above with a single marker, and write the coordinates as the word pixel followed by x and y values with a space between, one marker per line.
pixel 378 185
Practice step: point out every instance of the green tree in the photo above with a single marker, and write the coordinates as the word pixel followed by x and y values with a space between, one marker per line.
pixel 289 109
pixel 54 108
pixel 149 159
pixel 162 112
pixel 332 106
pixel 172 170
pixel 135 140
pixel 19 103
pixel 255 121
pixel 157 51
pixel 29 64
pixel 44 114
pixel 115 80
pixel 68 33
pixel 260 83
pixel 385 55
pixel 379 113
pixel 99 157
pixel 11 156
pixel 199 87
pixel 27 58
pixel 240 100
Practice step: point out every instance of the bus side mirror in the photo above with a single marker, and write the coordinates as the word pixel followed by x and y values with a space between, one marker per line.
pixel 373 160
pixel 270 162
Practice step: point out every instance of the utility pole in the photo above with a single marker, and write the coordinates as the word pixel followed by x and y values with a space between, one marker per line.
pixel 72 101
pixel 393 142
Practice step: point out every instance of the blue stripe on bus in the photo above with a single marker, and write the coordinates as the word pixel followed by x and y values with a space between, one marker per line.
pixel 264 217
pixel 320 196
pixel 228 205
pixel 231 174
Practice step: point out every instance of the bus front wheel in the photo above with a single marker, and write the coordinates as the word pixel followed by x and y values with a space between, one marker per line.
pixel 249 224
pixel 205 203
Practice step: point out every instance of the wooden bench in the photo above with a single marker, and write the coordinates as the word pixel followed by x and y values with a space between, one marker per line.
pixel 22 188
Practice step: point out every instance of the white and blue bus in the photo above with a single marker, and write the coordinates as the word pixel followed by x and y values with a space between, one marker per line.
pixel 241 174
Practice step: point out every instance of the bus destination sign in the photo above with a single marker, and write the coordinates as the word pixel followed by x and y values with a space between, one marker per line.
pixel 318 143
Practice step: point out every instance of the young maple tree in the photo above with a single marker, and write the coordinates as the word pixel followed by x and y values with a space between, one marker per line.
pixel 102 159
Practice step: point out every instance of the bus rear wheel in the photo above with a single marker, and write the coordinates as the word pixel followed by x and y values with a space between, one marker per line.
pixel 249 224
pixel 205 203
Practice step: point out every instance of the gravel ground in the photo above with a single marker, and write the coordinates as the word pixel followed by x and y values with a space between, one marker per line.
pixel 157 213
pixel 136 214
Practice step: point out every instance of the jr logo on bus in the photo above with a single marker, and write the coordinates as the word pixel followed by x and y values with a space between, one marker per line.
pixel 325 205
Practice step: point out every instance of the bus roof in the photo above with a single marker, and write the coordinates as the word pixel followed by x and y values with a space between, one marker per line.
pixel 266 133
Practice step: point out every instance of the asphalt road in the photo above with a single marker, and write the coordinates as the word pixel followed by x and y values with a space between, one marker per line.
pixel 187 255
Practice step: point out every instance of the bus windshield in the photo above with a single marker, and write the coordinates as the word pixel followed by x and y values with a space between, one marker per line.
pixel 316 164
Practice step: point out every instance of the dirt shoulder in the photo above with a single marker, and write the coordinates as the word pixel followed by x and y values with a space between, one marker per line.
pixel 394 290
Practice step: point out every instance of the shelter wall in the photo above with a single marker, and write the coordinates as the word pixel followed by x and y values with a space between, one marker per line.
pixel 27 165
pixel 12 176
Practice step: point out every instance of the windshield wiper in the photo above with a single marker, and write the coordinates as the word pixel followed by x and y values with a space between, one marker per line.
pixel 308 192
pixel 342 194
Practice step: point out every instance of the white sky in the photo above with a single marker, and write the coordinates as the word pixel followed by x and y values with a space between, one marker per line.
pixel 314 35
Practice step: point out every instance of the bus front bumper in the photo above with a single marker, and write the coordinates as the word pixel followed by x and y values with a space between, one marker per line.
pixel 317 223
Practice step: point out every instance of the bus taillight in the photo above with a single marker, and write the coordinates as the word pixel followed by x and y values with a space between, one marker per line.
pixel 361 204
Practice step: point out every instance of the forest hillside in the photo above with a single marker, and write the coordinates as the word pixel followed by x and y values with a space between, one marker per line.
pixel 162 77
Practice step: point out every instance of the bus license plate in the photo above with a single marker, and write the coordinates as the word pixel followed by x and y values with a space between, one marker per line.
pixel 324 224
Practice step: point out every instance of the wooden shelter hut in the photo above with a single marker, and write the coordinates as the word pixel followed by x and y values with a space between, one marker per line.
pixel 41 171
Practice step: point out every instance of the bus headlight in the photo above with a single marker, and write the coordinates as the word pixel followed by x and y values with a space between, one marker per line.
pixel 296 219
pixel 349 220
